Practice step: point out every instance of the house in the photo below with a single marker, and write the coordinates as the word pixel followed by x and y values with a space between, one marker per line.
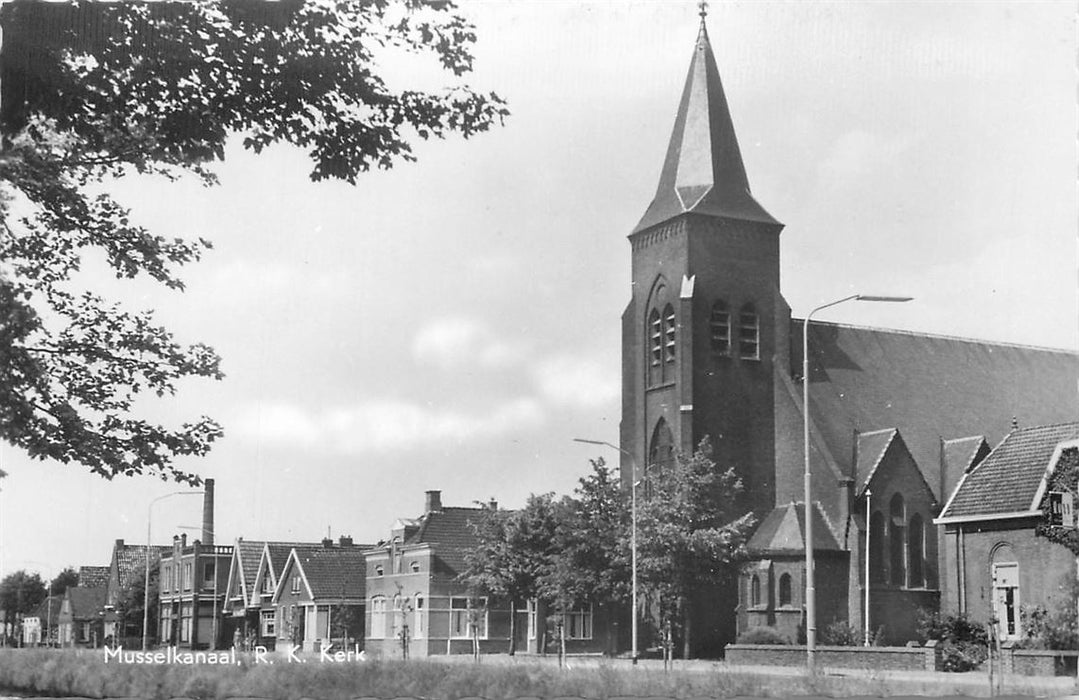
pixel 192 585
pixel 250 616
pixel 710 349
pixel 81 621
pixel 1005 528
pixel 320 596
pixel 415 601
pixel 41 626
pixel 127 564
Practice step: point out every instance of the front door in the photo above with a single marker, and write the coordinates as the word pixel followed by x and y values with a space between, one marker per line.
pixel 1006 600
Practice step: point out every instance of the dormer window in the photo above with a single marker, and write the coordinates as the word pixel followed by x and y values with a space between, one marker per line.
pixel 1061 509
pixel 295 584
pixel 267 585
pixel 720 326
pixel 749 334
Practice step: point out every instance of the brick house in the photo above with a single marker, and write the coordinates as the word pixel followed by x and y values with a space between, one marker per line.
pixel 994 552
pixel 191 592
pixel 710 349
pixel 127 562
pixel 319 597
pixel 250 616
pixel 81 620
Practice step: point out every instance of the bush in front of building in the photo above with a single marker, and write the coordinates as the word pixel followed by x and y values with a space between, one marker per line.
pixel 763 635
pixel 964 643
pixel 841 634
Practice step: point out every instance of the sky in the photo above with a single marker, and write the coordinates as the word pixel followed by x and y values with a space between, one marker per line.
pixel 454 323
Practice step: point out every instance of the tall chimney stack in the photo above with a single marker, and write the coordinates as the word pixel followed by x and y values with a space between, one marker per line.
pixel 208 513
pixel 433 502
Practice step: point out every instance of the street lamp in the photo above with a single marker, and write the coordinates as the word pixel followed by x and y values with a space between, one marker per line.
pixel 632 537
pixel 146 583
pixel 811 598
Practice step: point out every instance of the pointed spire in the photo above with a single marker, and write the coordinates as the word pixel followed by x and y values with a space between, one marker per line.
pixel 703 170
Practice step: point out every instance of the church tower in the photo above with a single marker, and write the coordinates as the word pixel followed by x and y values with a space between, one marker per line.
pixel 706 323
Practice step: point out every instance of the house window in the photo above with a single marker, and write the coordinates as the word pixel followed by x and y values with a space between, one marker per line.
pixel 415 567
pixel 897 540
pixel 295 584
pixel 876 547
pixel 466 618
pixel 208 575
pixel 185 621
pixel 419 624
pixel 916 552
pixel 748 333
pixel 577 623
pixel 378 617
pixel 785 590
pixel 267 585
pixel 655 334
pixel 187 576
pixel 268 623
pixel 668 333
pixel 378 570
pixel 166 572
pixel 720 325
pixel 1061 509
pixel 755 591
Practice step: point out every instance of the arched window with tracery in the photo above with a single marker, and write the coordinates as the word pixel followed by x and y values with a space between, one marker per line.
pixel 916 552
pixel 661 453
pixel 785 589
pixel 719 323
pixel 749 333
pixel 876 547
pixel 897 543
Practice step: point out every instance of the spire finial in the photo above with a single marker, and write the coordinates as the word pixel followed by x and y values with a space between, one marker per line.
pixel 703 7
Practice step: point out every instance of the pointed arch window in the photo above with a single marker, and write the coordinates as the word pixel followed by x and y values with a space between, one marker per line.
pixel 749 333
pixel 897 540
pixel 719 324
pixel 662 452
pixel 876 547
pixel 785 589
pixel 655 337
pixel 916 552
pixel 755 591
pixel 668 333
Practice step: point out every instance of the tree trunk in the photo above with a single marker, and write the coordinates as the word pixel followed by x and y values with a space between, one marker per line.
pixel 687 621
pixel 513 626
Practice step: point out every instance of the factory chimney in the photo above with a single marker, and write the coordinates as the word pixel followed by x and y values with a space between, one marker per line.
pixel 208 512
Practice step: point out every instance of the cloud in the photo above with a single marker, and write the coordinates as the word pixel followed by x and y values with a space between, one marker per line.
pixel 384 425
pixel 453 341
pixel 573 381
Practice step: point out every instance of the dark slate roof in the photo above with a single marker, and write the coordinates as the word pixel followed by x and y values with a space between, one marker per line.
pixel 335 572
pixel 782 531
pixel 929 387
pixel 960 456
pixel 1007 480
pixel 449 529
pixel 93 576
pixel 703 171
pixel 870 451
pixel 132 557
pixel 86 602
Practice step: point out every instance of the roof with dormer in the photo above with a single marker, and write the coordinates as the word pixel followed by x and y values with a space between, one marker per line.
pixel 703 171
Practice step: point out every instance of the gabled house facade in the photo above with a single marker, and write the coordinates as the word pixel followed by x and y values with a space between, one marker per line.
pixel 999 524
pixel 41 627
pixel 320 597
pixel 81 620
pixel 127 562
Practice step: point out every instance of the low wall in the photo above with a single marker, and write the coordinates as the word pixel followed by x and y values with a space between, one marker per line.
pixel 1039 662
pixel 925 658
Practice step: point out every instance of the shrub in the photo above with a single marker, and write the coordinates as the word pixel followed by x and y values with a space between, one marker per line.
pixel 841 634
pixel 763 635
pixel 964 644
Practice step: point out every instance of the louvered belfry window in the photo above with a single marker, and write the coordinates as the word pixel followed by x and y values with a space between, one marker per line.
pixel 749 333
pixel 668 333
pixel 720 326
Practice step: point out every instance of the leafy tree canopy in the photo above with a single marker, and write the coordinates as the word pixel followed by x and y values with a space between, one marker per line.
pixel 158 90
pixel 63 581
pixel 21 592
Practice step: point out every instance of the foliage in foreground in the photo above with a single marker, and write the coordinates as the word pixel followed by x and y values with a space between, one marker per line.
pixel 84 673
pixel 964 643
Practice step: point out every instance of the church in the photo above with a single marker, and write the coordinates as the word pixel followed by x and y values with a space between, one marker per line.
pixel 710 349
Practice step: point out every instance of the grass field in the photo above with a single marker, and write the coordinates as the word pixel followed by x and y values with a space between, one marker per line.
pixel 85 673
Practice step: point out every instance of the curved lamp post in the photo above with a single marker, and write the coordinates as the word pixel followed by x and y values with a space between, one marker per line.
pixel 146 583
pixel 811 601
pixel 633 537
